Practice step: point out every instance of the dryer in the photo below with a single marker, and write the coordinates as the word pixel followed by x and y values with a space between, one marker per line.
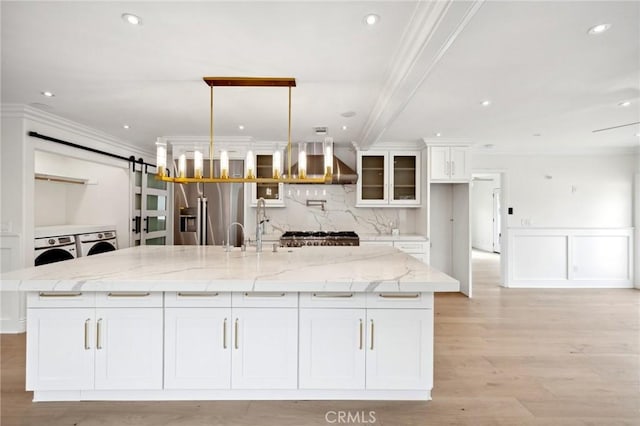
pixel 96 243
pixel 54 249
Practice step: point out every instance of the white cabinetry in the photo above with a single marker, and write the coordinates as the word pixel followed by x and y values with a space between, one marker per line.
pixel 210 344
pixel 273 193
pixel 388 179
pixel 128 348
pixel 450 163
pixel 386 346
pixel 400 349
pixel 60 348
pixel 87 348
pixel 265 348
pixel 197 348
pixel 417 249
pixel 332 348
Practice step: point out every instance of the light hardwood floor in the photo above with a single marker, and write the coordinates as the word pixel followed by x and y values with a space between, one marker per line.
pixel 505 357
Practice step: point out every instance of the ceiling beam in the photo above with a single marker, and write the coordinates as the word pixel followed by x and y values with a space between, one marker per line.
pixel 431 31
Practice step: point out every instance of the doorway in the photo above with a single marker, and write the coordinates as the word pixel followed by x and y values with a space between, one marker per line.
pixel 487 224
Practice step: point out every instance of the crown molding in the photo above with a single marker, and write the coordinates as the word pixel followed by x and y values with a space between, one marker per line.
pixel 27 112
pixel 561 152
pixel 415 58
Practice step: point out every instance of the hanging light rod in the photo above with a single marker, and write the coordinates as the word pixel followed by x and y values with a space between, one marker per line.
pixel 277 171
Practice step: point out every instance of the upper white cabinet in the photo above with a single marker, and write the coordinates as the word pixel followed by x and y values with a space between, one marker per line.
pixel 388 179
pixel 273 193
pixel 450 163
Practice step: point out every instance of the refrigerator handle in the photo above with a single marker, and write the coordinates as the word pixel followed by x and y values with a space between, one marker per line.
pixel 203 214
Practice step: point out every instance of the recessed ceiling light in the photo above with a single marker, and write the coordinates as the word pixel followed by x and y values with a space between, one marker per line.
pixel 488 146
pixel 536 134
pixel 125 126
pixel 344 127
pixel 131 19
pixel 371 19
pixel 485 103
pixel 348 114
pixel 599 29
pixel 638 135
pixel 240 127
pixel 438 134
pixel 624 104
pixel 47 94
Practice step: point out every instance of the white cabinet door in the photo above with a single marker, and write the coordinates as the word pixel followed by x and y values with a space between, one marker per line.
pixel 400 349
pixel 404 177
pixel 460 169
pixel 60 348
pixel 373 184
pixel 439 163
pixel 265 348
pixel 332 348
pixel 128 348
pixel 197 348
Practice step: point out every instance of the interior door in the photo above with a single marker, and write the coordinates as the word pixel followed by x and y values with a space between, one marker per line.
pixel 497 220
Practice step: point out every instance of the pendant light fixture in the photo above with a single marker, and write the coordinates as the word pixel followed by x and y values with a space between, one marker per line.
pixel 278 173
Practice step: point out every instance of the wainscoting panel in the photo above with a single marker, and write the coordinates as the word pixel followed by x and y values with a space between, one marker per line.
pixel 566 258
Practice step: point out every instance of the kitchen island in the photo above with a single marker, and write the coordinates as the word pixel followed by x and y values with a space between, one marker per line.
pixel 194 322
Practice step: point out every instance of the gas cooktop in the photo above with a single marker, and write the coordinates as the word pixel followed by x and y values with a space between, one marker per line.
pixel 319 238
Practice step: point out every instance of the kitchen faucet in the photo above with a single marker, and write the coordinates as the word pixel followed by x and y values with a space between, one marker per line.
pixel 261 206
pixel 228 247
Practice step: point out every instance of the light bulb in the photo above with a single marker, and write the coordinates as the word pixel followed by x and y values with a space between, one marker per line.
pixel 250 165
pixel 328 157
pixel 224 164
pixel 182 166
pixel 161 159
pixel 302 161
pixel 277 164
pixel 198 164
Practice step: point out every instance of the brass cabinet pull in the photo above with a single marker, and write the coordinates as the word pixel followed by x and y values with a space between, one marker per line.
pixel 263 294
pixel 197 294
pixel 98 334
pixel 128 294
pixel 86 334
pixel 345 295
pixel 224 334
pixel 60 294
pixel 236 334
pixel 360 334
pixel 400 296
pixel 371 335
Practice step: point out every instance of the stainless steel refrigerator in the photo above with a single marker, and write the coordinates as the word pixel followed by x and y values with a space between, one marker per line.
pixel 204 212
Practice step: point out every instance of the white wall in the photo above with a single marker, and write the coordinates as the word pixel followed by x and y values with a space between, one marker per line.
pixel 482 212
pixel 582 191
pixel 340 213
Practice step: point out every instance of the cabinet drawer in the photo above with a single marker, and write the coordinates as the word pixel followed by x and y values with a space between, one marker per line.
pixel 128 299
pixel 408 247
pixel 400 300
pixel 201 299
pixel 61 299
pixel 333 299
pixel 264 299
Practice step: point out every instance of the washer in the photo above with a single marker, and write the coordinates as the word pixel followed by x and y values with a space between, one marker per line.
pixel 96 243
pixel 54 249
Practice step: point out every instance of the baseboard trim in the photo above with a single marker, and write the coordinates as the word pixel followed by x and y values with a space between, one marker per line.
pixel 12 326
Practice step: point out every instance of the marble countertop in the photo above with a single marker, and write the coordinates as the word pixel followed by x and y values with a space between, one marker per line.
pixel 210 268
pixel 389 237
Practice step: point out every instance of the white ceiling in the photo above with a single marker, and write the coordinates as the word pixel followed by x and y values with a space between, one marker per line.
pixel 423 69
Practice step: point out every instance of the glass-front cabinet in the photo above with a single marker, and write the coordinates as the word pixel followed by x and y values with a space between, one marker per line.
pixel 273 193
pixel 388 179
pixel 149 210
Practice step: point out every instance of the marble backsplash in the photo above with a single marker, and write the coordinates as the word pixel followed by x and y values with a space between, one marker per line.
pixel 339 214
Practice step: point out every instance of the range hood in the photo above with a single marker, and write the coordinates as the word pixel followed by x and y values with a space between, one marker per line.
pixel 342 173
